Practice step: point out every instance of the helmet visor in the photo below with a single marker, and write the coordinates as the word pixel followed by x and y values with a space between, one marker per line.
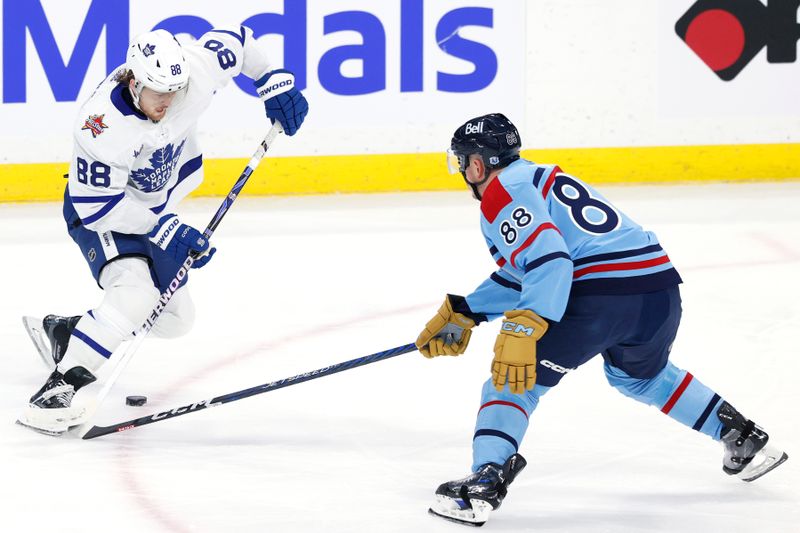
pixel 456 162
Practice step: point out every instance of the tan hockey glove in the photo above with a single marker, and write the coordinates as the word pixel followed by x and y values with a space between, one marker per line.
pixel 447 333
pixel 515 350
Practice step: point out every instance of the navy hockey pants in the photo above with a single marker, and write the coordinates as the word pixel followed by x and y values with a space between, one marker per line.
pixel 634 334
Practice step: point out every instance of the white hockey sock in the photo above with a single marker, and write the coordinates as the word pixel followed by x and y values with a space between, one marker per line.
pixel 91 344
pixel 177 318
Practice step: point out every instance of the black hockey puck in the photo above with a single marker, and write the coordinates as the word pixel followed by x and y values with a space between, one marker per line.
pixel 136 401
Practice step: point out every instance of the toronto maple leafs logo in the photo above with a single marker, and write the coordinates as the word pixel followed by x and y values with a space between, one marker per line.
pixel 95 125
pixel 163 162
pixel 149 49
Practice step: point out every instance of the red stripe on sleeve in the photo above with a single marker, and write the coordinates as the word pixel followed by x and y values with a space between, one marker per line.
pixel 550 180
pixel 530 239
pixel 502 402
pixel 495 198
pixel 500 262
pixel 610 267
pixel 677 394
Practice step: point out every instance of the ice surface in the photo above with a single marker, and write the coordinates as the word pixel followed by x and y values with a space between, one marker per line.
pixel 300 283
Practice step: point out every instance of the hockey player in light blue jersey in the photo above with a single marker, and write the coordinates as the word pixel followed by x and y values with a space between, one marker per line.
pixel 136 157
pixel 576 277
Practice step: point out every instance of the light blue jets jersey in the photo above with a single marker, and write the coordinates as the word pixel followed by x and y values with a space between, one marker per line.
pixel 553 236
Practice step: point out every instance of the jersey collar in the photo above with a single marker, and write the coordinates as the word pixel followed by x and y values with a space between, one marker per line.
pixel 122 100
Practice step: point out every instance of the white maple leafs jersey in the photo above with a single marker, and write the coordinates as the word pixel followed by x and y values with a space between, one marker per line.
pixel 127 170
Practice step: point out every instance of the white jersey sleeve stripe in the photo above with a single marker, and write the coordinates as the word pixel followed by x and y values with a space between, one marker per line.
pixel 240 38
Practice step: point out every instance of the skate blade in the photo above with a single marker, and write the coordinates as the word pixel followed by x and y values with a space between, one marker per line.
pixel 33 326
pixel 456 511
pixel 48 432
pixel 765 461
pixel 52 421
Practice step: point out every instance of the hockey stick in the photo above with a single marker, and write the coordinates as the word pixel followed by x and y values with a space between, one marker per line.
pixel 173 286
pixel 99 431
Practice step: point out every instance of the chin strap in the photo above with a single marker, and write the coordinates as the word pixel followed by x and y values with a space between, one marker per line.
pixel 474 186
pixel 135 92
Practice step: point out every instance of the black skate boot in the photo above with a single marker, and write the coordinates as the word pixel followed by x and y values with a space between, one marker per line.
pixel 50 410
pixel 57 330
pixel 747 454
pixel 470 500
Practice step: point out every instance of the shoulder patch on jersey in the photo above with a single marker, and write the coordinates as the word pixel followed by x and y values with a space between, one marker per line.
pixel 95 125
pixel 495 198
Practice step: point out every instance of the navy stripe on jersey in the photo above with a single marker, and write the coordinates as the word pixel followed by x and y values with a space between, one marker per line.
pixel 91 343
pixel 617 255
pixel 537 176
pixel 546 259
pixel 632 285
pixel 496 433
pixel 239 38
pixel 186 170
pixel 500 280
pixel 707 411
pixel 497 256
pixel 630 266
pixel 109 201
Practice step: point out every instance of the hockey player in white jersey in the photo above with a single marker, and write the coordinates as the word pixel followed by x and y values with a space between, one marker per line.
pixel 135 158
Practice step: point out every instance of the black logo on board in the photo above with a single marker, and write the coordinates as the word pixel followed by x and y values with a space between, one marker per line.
pixel 728 34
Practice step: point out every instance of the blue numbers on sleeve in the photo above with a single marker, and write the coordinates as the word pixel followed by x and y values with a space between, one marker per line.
pixel 97 174
pixel 226 57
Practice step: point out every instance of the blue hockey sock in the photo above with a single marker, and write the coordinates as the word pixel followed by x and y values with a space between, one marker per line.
pixel 501 424
pixel 676 393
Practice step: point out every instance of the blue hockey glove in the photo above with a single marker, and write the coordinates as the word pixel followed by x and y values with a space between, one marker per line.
pixel 282 100
pixel 178 240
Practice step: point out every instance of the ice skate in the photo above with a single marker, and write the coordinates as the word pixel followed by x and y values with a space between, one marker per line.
pixel 50 410
pixel 469 500
pixel 50 336
pixel 748 454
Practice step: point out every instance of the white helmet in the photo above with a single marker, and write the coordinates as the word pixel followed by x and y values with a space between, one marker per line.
pixel 157 62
